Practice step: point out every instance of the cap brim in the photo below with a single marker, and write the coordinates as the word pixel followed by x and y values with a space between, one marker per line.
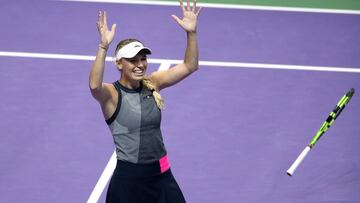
pixel 135 51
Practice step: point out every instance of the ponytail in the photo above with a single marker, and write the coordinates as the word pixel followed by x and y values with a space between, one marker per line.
pixel 158 99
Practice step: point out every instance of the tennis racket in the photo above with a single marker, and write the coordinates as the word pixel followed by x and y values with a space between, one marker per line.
pixel 325 126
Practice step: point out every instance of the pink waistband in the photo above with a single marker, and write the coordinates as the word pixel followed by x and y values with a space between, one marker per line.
pixel 164 164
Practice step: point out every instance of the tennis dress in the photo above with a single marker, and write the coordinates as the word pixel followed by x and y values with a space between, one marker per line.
pixel 142 173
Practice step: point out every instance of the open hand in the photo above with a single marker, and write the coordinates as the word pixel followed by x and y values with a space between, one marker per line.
pixel 189 20
pixel 106 35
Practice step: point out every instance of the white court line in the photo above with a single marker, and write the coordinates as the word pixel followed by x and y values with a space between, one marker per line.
pixel 164 65
pixel 227 6
pixel 168 62
pixel 103 180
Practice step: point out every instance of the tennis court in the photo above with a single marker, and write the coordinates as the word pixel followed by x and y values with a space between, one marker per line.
pixel 270 73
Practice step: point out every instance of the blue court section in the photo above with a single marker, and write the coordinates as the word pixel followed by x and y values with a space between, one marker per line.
pixel 231 133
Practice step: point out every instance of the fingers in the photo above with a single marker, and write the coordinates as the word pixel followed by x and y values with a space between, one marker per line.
pixel 194 6
pixel 188 7
pixel 176 19
pixel 198 12
pixel 182 7
pixel 104 18
pixel 100 21
pixel 113 27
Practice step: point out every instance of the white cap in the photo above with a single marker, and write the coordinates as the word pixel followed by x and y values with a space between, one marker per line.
pixel 130 50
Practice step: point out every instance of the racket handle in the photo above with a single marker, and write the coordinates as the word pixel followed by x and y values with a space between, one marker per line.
pixel 298 161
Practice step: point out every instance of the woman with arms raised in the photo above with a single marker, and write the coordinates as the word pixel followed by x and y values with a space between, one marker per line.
pixel 132 109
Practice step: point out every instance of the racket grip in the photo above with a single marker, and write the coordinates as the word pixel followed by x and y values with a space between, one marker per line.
pixel 298 161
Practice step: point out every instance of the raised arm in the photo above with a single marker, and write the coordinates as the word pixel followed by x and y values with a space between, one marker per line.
pixel 100 90
pixel 163 79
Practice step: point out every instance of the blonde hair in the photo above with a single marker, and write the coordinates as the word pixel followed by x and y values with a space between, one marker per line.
pixel 150 85
pixel 146 82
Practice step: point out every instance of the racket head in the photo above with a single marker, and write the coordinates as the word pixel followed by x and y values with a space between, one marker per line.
pixel 348 96
pixel 350 93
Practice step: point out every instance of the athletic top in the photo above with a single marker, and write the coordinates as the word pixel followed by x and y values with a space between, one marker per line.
pixel 135 126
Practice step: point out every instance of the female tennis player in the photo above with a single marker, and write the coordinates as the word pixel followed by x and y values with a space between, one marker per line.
pixel 132 109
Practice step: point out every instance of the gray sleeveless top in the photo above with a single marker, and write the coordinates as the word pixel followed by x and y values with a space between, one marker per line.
pixel 135 126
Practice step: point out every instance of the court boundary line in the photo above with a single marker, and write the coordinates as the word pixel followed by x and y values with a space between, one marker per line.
pixel 164 64
pixel 227 6
pixel 169 62
pixel 103 180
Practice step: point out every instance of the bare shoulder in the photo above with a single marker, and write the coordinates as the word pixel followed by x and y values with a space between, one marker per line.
pixel 105 93
pixel 155 78
pixel 108 98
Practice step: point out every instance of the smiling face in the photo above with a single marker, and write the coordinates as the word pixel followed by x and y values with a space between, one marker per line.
pixel 132 69
pixel 131 61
